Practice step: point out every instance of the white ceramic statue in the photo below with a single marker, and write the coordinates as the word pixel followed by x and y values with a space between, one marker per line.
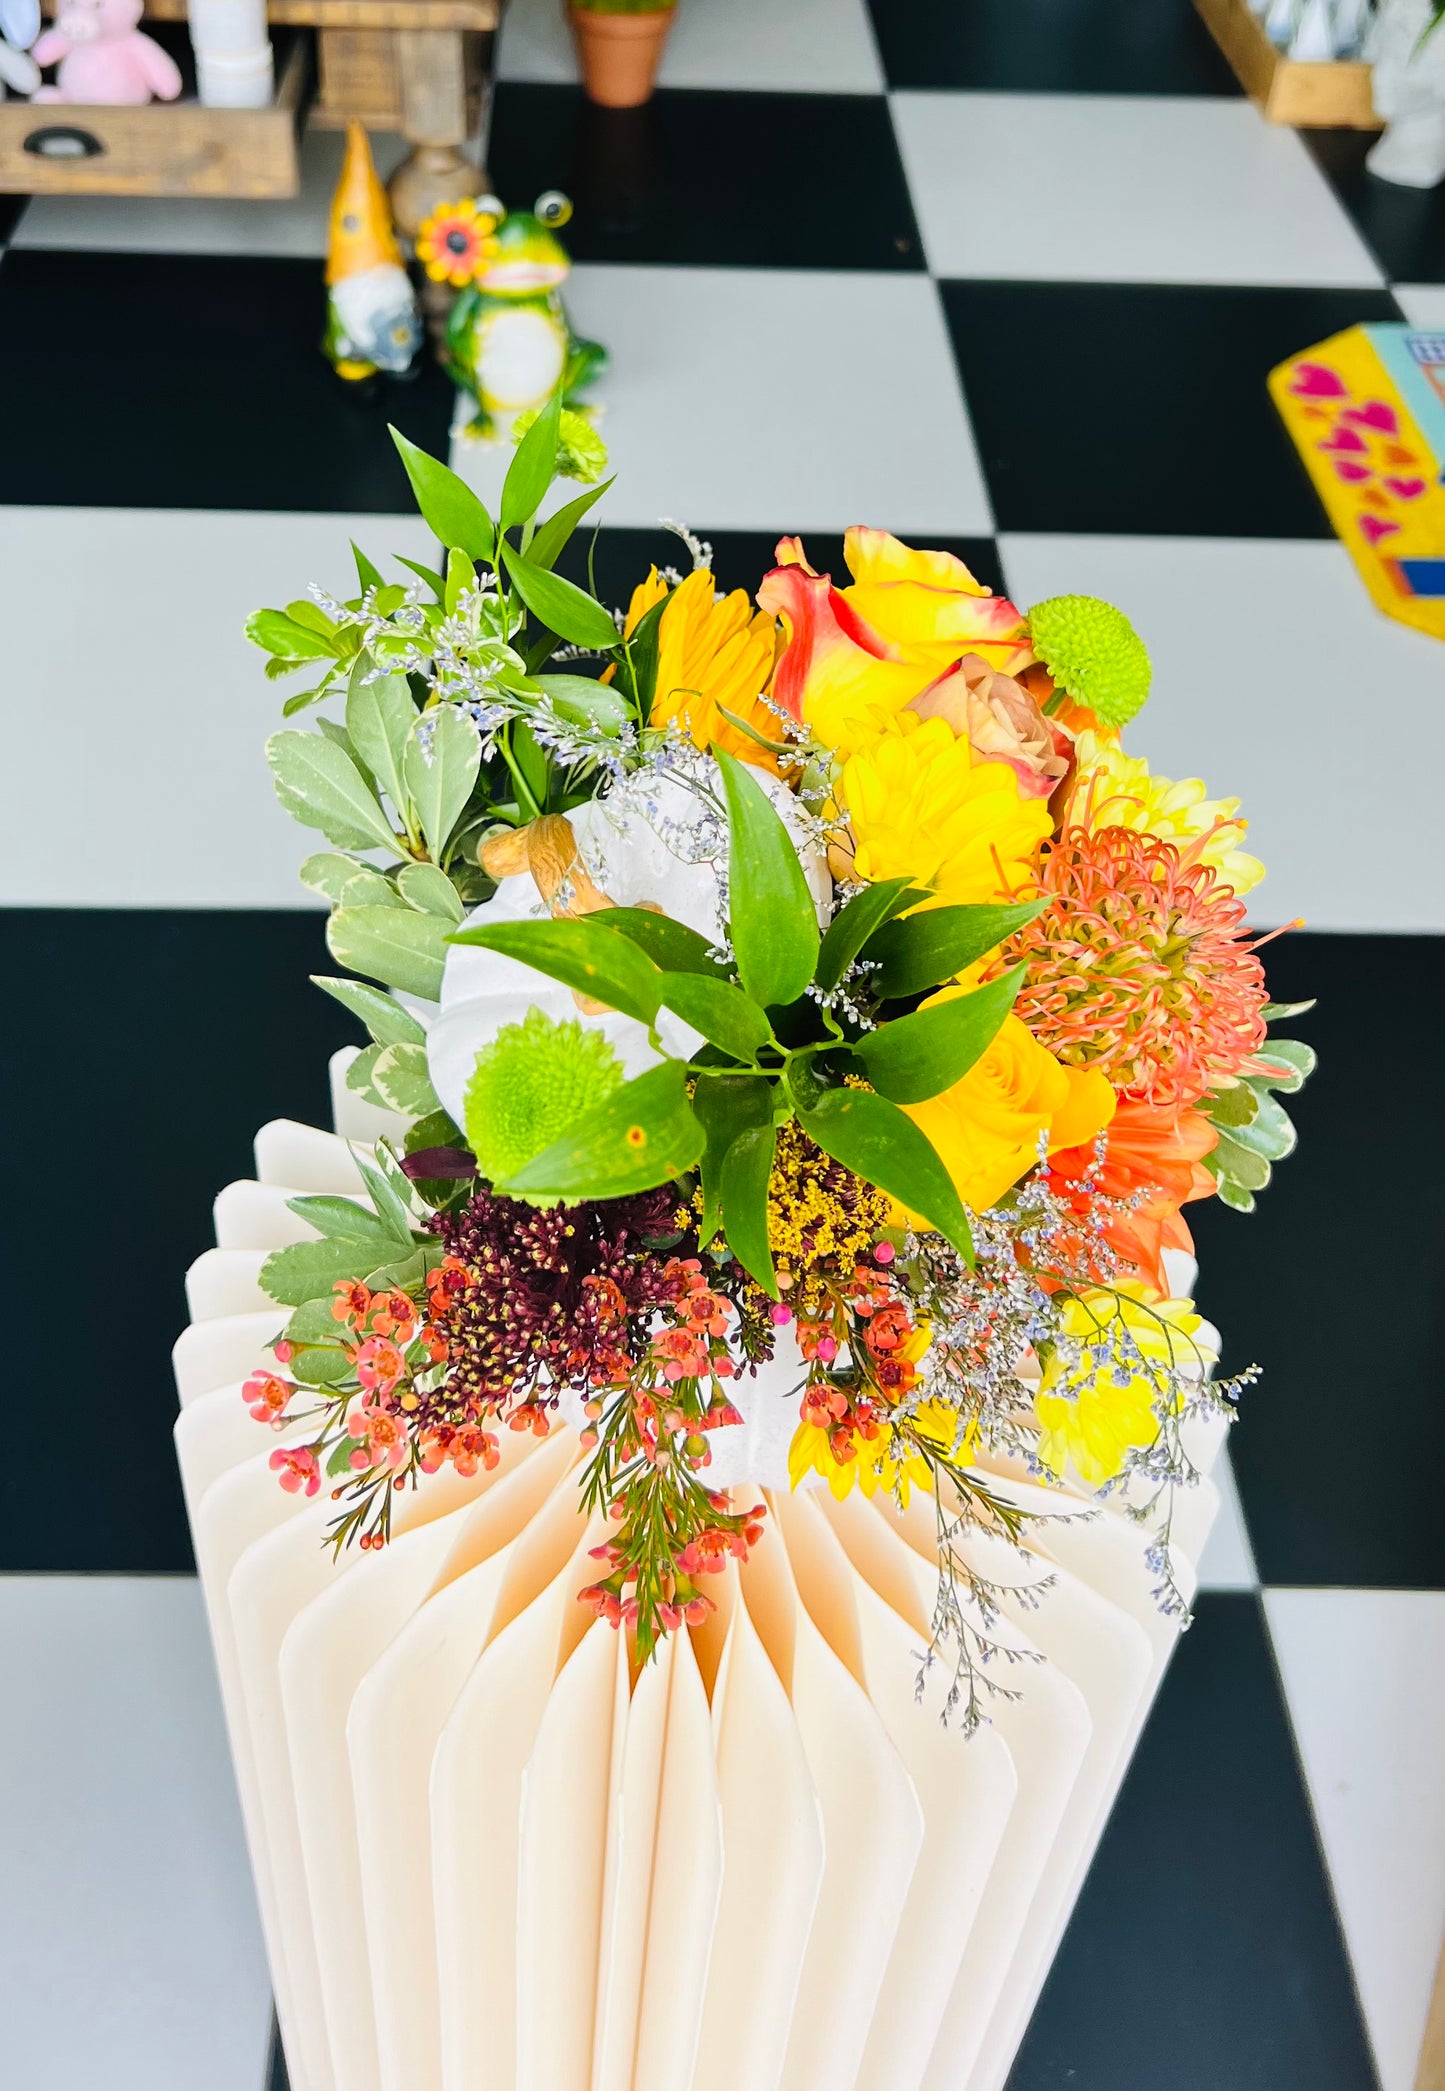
pixel 1409 89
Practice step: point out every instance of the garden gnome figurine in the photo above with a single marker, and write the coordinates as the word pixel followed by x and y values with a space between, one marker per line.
pixel 1409 89
pixel 371 314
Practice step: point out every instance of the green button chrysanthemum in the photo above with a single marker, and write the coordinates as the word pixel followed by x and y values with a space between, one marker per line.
pixel 530 1084
pixel 1092 651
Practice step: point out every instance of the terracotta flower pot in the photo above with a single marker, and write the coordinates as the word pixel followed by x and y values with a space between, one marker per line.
pixel 620 54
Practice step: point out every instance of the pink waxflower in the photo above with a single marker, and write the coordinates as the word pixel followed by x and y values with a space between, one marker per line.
pixel 382 1431
pixel 379 1365
pixel 298 1469
pixel 266 1396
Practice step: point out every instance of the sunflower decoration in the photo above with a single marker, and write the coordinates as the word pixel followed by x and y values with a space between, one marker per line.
pixel 455 240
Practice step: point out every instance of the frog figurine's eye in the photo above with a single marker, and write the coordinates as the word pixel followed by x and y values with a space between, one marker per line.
pixel 492 207
pixel 553 208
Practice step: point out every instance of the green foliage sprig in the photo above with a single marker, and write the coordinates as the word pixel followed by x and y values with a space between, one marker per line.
pixel 780 1041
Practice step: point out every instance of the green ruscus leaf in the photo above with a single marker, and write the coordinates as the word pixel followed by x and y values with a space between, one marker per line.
pixel 582 955
pixel 747 1165
pixel 772 920
pixel 874 1139
pixel 929 947
pixel 448 505
pixel 919 1056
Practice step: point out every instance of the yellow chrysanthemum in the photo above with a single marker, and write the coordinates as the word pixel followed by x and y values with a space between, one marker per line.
pixel 712 657
pixel 1093 1412
pixel 1115 790
pixel 919 806
pixel 876 1464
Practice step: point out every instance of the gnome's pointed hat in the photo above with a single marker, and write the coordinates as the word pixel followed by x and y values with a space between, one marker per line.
pixel 361 234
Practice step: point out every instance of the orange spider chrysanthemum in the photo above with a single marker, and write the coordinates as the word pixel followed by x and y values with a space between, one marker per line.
pixel 454 241
pixel 1140 967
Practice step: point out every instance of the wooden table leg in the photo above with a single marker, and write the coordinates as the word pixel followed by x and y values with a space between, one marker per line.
pixel 1431 2074
pixel 438 76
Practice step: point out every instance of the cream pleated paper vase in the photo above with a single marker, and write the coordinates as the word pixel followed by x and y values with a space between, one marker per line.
pixel 487 1857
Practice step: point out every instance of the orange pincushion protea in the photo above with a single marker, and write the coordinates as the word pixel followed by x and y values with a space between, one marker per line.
pixel 454 241
pixel 1139 968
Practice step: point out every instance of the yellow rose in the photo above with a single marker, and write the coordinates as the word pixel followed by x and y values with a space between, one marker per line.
pixel 986 1128
pixel 1103 1388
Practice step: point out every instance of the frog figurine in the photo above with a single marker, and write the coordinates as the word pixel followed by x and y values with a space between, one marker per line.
pixel 509 342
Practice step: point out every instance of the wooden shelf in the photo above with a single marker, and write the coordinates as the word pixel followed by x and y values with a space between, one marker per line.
pixel 1288 91
pixel 162 148
pixel 360 14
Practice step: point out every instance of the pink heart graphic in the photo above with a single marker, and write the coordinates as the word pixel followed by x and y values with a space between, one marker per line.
pixel 1375 414
pixel 1406 489
pixel 1350 473
pixel 1343 439
pixel 1317 381
pixel 1373 528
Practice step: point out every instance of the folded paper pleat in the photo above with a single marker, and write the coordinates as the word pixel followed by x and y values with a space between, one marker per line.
pixel 492 1854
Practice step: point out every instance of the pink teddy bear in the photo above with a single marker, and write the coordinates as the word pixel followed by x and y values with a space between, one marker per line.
pixel 103 56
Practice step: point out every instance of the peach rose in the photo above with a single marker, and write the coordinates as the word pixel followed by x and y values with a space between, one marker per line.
pixel 1000 720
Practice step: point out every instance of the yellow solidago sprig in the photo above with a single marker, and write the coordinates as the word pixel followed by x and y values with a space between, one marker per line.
pixel 1115 790
pixel 1121 1366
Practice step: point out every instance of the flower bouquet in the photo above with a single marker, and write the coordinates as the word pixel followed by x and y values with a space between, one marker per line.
pixel 741 1316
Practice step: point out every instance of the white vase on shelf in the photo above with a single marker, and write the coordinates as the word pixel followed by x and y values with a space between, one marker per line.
pixel 1408 57
pixel 234 67
pixel 453 1787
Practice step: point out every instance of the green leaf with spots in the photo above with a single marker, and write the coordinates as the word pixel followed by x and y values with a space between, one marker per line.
pixel 643 1135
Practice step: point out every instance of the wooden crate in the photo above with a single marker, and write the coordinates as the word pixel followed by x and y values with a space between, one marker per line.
pixel 164 148
pixel 1288 92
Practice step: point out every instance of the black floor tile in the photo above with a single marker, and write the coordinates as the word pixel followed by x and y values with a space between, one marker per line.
pixel 1051 46
pixel 1404 228
pixel 1204 1954
pixel 209 1026
pixel 712 180
pixel 1333 1283
pixel 740 558
pixel 1141 408
pixel 12 210
pixel 216 391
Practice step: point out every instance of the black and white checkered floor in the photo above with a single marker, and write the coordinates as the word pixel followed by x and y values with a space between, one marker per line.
pixel 1005 274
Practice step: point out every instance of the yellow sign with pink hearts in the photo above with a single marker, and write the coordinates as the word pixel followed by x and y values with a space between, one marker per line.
pixel 1366 412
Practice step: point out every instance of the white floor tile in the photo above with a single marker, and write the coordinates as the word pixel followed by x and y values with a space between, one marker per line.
pixel 130 1950
pixel 1227 1562
pixel 1278 681
pixel 774 399
pixel 1364 1675
pixel 813 46
pixel 1423 304
pixel 1126 189
pixel 137 710
pixel 205 224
